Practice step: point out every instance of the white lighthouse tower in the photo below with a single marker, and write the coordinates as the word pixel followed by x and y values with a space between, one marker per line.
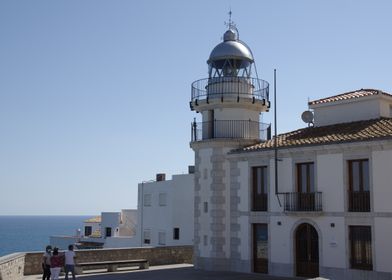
pixel 230 101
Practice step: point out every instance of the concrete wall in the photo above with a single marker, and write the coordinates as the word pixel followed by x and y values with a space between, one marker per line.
pixel 155 255
pixel 12 266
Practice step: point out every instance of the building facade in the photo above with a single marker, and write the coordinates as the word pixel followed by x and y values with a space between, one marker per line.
pixel 165 211
pixel 328 213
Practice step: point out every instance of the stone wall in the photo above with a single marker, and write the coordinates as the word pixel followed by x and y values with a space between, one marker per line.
pixel 12 266
pixel 155 255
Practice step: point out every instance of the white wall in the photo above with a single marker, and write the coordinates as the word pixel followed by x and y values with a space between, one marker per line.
pixel 245 191
pixel 110 220
pixel 236 114
pixel 121 242
pixel 382 180
pixel 330 181
pixel 128 222
pixel 94 227
pixel 178 211
pixel 383 244
pixel 340 112
pixel 333 245
pixel 285 181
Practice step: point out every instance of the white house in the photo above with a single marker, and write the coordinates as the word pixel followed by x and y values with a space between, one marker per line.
pixel 324 211
pixel 166 211
pixel 108 230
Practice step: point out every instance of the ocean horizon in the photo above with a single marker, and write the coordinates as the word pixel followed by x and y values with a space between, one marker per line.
pixel 24 233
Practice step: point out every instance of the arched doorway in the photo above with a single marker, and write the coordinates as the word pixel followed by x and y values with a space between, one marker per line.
pixel 306 251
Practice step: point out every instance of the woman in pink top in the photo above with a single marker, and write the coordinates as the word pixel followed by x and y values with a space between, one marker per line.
pixel 56 263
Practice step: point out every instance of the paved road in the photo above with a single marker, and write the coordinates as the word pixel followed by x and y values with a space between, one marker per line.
pixel 172 272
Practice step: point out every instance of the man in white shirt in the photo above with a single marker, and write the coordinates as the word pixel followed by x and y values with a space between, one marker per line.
pixel 70 262
pixel 46 262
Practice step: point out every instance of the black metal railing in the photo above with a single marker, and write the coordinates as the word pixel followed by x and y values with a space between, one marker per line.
pixel 358 201
pixel 230 87
pixel 241 129
pixel 296 201
pixel 260 202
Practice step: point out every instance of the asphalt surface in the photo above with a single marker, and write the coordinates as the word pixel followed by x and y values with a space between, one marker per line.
pixel 170 272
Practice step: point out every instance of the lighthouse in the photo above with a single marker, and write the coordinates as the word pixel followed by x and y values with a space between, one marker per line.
pixel 230 103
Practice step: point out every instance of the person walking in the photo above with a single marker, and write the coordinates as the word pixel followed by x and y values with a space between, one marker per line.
pixel 46 263
pixel 70 262
pixel 56 262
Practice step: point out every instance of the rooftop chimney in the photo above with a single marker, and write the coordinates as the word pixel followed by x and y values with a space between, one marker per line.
pixel 161 177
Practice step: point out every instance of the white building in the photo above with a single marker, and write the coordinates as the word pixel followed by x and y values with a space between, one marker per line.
pixel 166 211
pixel 328 213
pixel 108 230
pixel 164 218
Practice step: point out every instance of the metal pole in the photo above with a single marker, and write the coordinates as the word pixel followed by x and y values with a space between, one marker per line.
pixel 276 142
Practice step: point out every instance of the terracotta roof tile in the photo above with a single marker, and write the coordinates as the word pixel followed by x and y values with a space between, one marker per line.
pixel 349 95
pixel 375 129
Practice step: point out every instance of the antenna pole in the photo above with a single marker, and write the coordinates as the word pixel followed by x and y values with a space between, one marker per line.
pixel 276 142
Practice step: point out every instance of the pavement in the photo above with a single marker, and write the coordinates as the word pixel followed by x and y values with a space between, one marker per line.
pixel 170 272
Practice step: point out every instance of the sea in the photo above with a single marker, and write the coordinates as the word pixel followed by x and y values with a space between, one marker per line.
pixel 31 233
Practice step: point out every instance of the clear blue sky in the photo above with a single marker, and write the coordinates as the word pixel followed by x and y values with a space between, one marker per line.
pixel 94 95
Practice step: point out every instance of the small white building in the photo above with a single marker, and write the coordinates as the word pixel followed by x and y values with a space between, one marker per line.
pixel 311 202
pixel 166 211
pixel 102 231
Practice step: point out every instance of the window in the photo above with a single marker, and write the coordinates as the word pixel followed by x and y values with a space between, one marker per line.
pixel 205 207
pixel 146 237
pixel 176 233
pixel 361 247
pixel 259 188
pixel 147 200
pixel 162 199
pixel 305 177
pixel 108 231
pixel 88 230
pixel 359 195
pixel 161 238
pixel 205 240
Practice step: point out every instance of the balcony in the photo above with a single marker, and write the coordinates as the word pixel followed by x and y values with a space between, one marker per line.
pixel 303 202
pixel 260 203
pixel 230 89
pixel 359 201
pixel 230 129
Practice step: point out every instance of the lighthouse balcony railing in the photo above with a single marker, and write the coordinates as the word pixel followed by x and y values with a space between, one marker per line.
pixel 230 129
pixel 230 87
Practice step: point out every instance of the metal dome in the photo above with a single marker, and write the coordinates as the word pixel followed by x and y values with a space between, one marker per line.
pixel 231 48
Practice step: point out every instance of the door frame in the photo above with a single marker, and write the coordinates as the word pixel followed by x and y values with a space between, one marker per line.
pixel 295 246
pixel 253 248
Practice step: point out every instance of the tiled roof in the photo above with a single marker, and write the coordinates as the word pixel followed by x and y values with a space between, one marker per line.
pixel 349 95
pixel 376 129
pixel 96 219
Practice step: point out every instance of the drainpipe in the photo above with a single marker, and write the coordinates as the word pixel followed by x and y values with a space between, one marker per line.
pixel 141 215
pixel 277 193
